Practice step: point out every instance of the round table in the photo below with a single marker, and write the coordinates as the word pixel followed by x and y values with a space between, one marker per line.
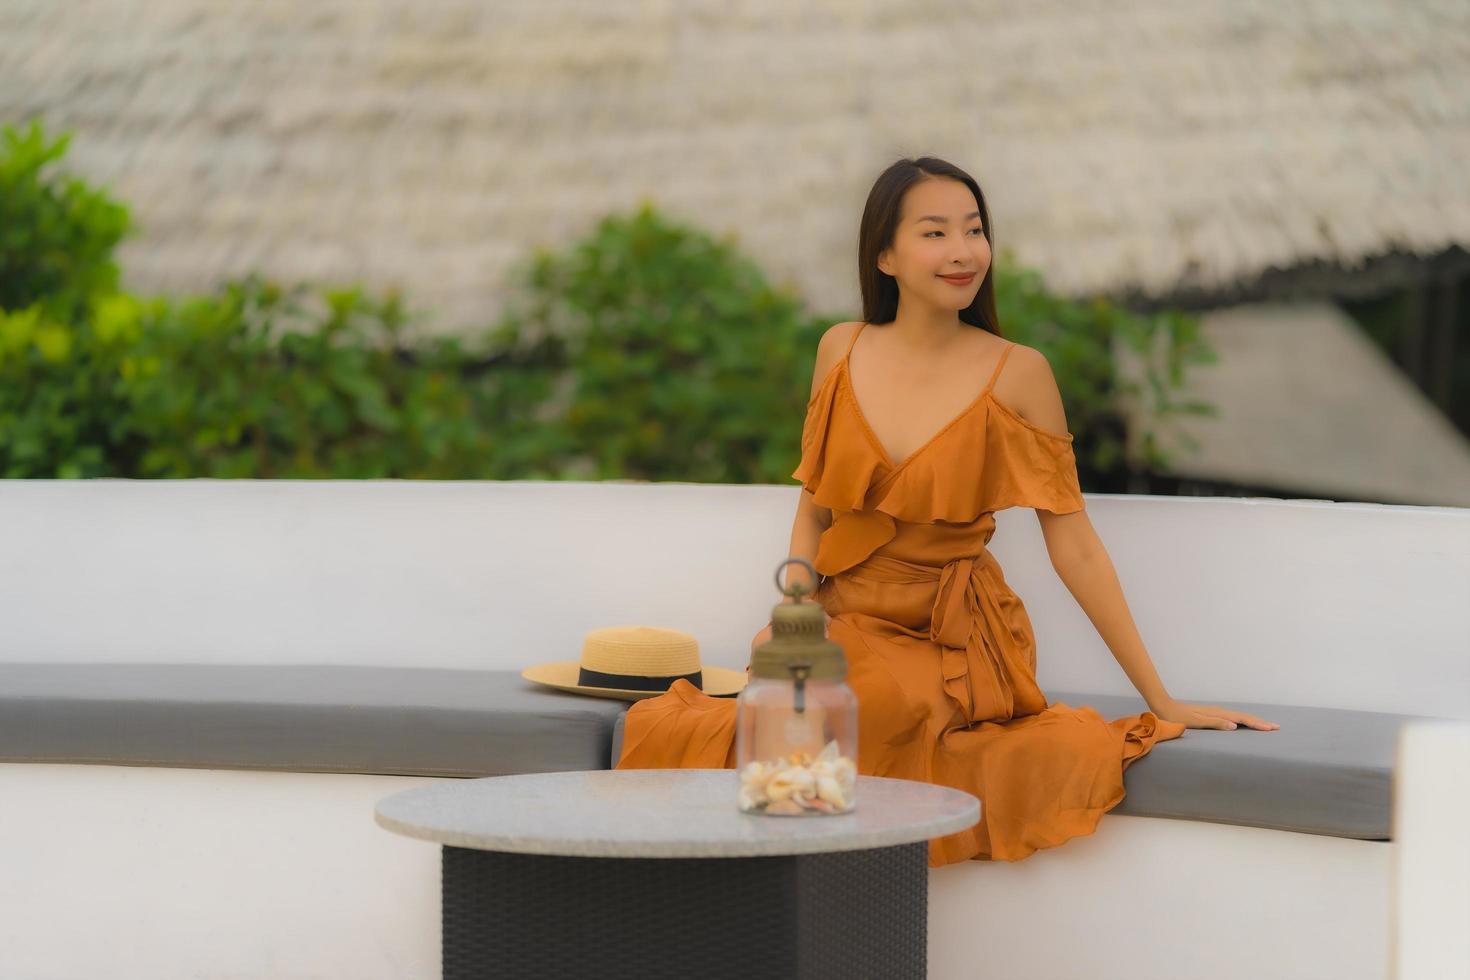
pixel 656 873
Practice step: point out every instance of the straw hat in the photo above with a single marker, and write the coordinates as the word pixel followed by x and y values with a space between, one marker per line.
pixel 634 662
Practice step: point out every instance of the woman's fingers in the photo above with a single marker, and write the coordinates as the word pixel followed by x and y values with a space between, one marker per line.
pixel 1234 719
pixel 1212 716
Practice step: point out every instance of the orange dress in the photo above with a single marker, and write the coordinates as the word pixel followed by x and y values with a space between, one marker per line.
pixel 940 651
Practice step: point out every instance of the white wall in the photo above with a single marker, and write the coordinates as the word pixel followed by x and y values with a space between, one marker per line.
pixel 182 874
pixel 1146 898
pixel 1430 883
pixel 164 874
pixel 1256 599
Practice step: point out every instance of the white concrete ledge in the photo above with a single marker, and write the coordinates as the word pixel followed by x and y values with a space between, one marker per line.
pixel 205 873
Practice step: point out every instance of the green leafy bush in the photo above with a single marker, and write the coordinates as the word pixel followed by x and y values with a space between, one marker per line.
pixel 255 382
pixel 1083 341
pixel 57 234
pixel 652 351
pixel 646 351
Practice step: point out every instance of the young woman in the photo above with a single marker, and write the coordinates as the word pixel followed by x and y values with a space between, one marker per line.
pixel 903 466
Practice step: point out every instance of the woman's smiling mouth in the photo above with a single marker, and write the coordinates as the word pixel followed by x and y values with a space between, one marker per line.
pixel 964 280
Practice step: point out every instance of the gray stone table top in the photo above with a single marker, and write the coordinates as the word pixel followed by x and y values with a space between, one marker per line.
pixel 672 813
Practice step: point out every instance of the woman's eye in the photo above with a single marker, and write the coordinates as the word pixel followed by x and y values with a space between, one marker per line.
pixel 928 233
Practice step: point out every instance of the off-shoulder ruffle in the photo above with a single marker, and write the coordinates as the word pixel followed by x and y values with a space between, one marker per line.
pixel 837 480
pixel 988 459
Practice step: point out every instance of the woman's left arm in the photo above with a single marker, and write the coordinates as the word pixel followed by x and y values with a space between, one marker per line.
pixel 1082 563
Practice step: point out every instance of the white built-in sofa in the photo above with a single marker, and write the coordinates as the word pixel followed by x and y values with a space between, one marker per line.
pixel 205 687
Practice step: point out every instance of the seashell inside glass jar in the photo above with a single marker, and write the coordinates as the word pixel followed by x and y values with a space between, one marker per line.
pixel 796 720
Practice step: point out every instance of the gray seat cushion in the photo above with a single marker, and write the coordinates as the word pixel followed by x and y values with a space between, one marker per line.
pixel 1324 771
pixel 400 721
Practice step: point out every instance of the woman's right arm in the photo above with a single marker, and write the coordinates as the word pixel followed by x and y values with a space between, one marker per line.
pixel 811 518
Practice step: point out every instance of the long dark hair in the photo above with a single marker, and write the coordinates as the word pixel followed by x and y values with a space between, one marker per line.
pixel 880 220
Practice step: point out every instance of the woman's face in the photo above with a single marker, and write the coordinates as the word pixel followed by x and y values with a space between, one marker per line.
pixel 938 236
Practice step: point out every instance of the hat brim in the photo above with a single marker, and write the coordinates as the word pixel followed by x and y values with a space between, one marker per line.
pixel 563 674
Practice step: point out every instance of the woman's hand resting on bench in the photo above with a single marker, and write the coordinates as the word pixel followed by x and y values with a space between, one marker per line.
pixel 1211 716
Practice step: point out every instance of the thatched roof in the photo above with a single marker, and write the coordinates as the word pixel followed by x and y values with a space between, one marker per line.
pixel 1306 402
pixel 1125 147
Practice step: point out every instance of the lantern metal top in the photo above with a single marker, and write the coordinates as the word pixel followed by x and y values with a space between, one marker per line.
pixel 798 647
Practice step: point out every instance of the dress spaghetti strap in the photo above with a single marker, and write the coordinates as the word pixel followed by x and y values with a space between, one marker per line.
pixel 853 339
pixel 998 365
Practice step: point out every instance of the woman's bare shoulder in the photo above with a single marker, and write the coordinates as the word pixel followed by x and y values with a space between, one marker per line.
pixel 1027 366
pixel 1029 387
pixel 830 348
pixel 837 336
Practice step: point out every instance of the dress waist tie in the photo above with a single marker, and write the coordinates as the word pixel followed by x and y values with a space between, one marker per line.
pixel 966 654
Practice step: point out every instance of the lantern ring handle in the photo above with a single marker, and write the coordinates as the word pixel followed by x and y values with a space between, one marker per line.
pixel 800 590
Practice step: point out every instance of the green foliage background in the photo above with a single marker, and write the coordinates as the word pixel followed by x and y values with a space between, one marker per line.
pixel 648 350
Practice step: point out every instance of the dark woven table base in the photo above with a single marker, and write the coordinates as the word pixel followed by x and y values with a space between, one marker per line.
pixel 846 915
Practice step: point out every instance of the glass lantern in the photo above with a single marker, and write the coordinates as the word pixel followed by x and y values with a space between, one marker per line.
pixel 796 719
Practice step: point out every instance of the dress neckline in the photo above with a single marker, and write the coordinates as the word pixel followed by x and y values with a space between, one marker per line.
pixel 986 394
